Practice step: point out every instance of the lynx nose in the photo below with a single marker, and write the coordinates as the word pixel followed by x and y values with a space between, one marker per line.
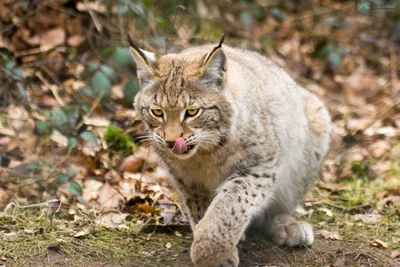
pixel 170 144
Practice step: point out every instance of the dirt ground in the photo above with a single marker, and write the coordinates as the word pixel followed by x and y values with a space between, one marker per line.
pixel 252 253
pixel 340 241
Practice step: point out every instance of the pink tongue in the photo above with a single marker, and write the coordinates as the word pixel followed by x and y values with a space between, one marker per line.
pixel 180 146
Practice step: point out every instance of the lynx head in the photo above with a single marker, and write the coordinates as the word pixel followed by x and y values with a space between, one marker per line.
pixel 181 100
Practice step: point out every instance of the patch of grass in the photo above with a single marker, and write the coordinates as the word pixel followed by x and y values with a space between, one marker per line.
pixel 358 213
pixel 81 240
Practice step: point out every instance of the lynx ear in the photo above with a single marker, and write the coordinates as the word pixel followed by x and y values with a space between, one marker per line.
pixel 144 63
pixel 214 65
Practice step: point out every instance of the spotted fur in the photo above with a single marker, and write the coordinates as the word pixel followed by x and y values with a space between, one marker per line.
pixel 258 144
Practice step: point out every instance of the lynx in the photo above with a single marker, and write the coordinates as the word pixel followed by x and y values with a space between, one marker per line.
pixel 242 141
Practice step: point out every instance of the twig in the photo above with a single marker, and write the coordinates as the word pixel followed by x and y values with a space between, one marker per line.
pixel 95 103
pixel 94 18
pixel 381 115
pixel 47 204
pixel 394 67
pixel 338 206
pixel 51 87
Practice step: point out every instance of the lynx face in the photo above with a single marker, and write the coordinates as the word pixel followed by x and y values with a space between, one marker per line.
pixel 182 101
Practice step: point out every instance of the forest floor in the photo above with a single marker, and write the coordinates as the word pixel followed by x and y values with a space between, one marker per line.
pixel 342 240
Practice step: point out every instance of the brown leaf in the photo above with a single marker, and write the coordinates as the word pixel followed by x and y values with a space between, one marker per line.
pixel 109 197
pixel 330 235
pixel 82 233
pixel 52 38
pixel 11 237
pixel 131 164
pixel 395 254
pixel 379 243
pixel 75 40
pixel 112 219
pixel 4 198
pixel 96 121
pixel 59 138
pixel 147 209
pixel 91 189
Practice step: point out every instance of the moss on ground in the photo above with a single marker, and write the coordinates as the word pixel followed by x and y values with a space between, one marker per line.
pixel 33 234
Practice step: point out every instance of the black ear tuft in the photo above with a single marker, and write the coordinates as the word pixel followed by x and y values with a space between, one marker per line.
pixel 214 66
pixel 134 46
pixel 214 49
pixel 144 63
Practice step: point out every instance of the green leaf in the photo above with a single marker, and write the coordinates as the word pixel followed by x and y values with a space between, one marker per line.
pixel 123 57
pixel 148 3
pixel 137 9
pixel 88 91
pixel 10 65
pixel 91 68
pixel 75 188
pixel 34 167
pixel 72 53
pixel 88 136
pixel 246 18
pixel 122 9
pixel 72 144
pixel 62 179
pixel 59 120
pixel 101 84
pixel 3 121
pixel 109 72
pixel 42 127
pixel 334 59
pixel 324 51
pixel 131 89
pixel 108 51
pixel 72 172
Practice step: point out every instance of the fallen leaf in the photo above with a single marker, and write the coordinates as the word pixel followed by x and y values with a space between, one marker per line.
pixel 328 212
pixel 379 243
pixel 98 7
pixel 131 164
pixel 178 234
pixel 147 209
pixel 83 232
pixel 367 218
pixel 330 235
pixel 91 189
pixel 168 245
pixel 112 219
pixel 4 197
pixel 59 138
pixel 96 121
pixel 29 231
pixel 11 237
pixel 395 254
pixel 109 197
pixel 75 40
pixel 52 38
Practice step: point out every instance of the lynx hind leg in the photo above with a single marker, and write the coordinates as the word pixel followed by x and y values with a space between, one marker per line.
pixel 286 231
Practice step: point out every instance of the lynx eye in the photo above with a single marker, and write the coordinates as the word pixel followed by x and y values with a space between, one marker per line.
pixel 157 112
pixel 192 112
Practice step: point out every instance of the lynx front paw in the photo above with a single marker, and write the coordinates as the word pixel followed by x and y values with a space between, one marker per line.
pixel 293 234
pixel 210 250
pixel 206 253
